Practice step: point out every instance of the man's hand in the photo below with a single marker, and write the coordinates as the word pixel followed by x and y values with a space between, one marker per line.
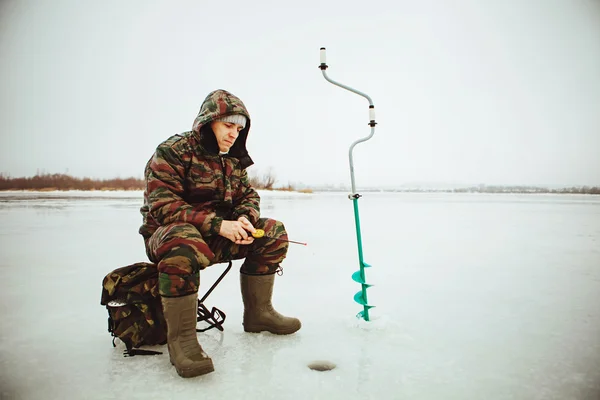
pixel 246 224
pixel 237 231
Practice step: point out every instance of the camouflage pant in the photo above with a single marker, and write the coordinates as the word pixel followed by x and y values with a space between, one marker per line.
pixel 181 253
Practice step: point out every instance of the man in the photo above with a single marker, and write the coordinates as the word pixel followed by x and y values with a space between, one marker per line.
pixel 199 209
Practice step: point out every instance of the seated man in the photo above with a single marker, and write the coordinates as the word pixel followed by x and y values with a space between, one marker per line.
pixel 199 209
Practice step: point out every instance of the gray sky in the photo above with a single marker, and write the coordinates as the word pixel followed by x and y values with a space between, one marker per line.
pixel 497 92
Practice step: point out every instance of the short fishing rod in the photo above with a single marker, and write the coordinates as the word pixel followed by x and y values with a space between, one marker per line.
pixel 259 233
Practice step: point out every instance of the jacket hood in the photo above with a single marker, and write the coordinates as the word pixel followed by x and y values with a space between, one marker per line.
pixel 220 103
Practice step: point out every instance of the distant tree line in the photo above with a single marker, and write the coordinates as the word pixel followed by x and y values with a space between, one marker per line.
pixel 264 181
pixel 67 182
pixel 48 182
pixel 528 189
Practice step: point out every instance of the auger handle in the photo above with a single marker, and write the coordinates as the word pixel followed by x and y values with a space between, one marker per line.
pixel 323 66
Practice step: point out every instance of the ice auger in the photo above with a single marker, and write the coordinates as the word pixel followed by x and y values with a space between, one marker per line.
pixel 359 276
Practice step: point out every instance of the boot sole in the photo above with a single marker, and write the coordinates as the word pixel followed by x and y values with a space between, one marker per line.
pixel 202 369
pixel 264 328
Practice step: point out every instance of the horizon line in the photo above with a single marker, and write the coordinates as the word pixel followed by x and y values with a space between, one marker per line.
pixel 345 186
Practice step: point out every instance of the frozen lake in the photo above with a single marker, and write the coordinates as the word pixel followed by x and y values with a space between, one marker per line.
pixel 477 296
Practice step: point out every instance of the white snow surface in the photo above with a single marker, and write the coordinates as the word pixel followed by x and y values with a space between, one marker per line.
pixel 478 296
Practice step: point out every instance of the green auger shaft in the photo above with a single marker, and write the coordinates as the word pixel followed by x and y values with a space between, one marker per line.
pixel 358 276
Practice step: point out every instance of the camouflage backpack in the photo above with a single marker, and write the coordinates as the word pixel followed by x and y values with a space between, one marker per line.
pixel 135 313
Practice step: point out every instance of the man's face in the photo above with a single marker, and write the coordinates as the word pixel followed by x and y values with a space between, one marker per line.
pixel 226 134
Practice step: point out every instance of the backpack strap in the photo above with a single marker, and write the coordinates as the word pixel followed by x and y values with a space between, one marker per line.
pixel 140 352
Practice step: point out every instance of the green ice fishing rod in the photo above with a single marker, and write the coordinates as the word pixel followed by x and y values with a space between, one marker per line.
pixel 359 276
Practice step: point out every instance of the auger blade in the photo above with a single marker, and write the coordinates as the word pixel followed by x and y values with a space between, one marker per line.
pixel 357 278
pixel 365 265
pixel 361 314
pixel 358 297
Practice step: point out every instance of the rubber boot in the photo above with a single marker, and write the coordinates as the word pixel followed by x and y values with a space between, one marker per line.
pixel 185 352
pixel 259 314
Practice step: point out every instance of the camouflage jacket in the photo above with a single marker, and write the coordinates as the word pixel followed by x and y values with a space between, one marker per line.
pixel 187 180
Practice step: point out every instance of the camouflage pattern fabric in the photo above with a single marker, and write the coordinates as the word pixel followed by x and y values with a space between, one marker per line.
pixel 190 189
pixel 187 180
pixel 137 319
pixel 217 104
pixel 181 253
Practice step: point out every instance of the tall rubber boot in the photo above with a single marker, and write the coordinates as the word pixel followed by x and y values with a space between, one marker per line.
pixel 259 314
pixel 185 352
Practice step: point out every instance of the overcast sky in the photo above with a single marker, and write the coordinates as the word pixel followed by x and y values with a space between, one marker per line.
pixel 496 92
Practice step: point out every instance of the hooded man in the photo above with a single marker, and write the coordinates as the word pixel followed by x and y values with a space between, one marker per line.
pixel 200 209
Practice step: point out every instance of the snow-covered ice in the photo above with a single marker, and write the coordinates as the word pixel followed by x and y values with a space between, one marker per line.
pixel 478 296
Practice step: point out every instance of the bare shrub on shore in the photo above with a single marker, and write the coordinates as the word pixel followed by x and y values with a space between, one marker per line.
pixel 264 181
pixel 64 182
pixel 48 182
